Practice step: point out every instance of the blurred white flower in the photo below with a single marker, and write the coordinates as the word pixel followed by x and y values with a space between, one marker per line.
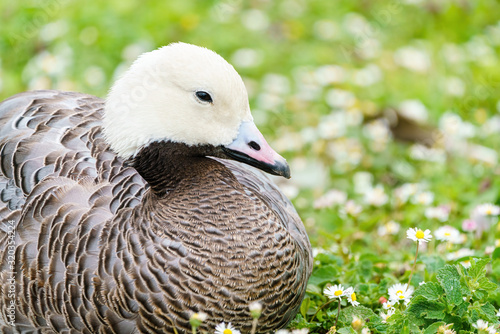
pixel 440 213
pixel 453 53
pixel 492 125
pixel 391 227
pixel 331 198
pixel 246 58
pixel 452 125
pixel 376 196
pixel 413 58
pixel 405 192
pixel 481 325
pixel 325 29
pixel 414 110
pixel 424 153
pixel 463 252
pixel 454 86
pixel 482 154
pixel 351 208
pixel 255 20
pixel 356 24
pixel 300 331
pixel 333 125
pixel 487 209
pixel 379 134
pixel 423 198
pixel 268 101
pixel 88 35
pixel 447 233
pixel 338 98
pixel 362 182
pixel 53 30
pixel 329 74
pixel 276 84
pixel 347 152
pixel 94 76
pixel 367 76
pixel 365 330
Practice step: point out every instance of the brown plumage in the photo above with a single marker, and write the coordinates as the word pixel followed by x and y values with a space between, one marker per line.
pixel 109 245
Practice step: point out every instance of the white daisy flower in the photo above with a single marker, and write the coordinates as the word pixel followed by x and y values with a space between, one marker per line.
pixel 336 291
pixel 351 296
pixel 493 330
pixel 418 235
pixel 400 292
pixel 222 328
pixel 385 316
pixel 481 325
pixel 388 305
pixel 488 209
pixel 447 233
pixel 366 330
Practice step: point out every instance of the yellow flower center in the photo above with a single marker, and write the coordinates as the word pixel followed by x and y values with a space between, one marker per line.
pixel 488 211
pixel 447 234
pixel 353 297
pixel 399 291
pixel 419 234
pixel 227 331
pixel 338 293
pixel 401 297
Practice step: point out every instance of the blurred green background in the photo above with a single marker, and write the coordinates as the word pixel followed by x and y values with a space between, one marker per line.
pixel 324 78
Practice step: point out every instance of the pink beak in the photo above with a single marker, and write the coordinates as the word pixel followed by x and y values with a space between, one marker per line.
pixel 251 148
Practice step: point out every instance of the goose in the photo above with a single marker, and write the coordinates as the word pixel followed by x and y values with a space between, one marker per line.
pixel 130 214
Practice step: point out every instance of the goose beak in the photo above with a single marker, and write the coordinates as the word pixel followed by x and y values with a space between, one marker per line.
pixel 251 148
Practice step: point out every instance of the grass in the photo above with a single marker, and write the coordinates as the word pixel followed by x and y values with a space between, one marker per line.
pixel 327 80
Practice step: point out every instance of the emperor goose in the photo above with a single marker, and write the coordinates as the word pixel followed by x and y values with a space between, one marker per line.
pixel 128 215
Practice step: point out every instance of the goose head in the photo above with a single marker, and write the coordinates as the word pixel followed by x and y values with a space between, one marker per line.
pixel 187 94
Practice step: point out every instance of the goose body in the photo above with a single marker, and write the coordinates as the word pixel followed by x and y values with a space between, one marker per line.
pixel 128 217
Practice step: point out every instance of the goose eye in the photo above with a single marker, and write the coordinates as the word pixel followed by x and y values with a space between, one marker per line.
pixel 204 96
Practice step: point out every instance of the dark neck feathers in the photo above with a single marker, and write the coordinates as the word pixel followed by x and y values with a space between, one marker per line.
pixel 169 166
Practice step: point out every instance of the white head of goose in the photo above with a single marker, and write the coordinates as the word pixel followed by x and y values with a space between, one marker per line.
pixel 129 216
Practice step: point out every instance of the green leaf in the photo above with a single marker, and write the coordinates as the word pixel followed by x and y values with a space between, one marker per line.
pixel 430 290
pixel 486 284
pixel 482 311
pixel 427 309
pixel 432 329
pixel 346 330
pixel 477 268
pixel 324 274
pixel 496 254
pixel 432 263
pixel 449 278
pixel 304 307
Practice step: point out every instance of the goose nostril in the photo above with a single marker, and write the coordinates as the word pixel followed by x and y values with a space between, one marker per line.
pixel 254 145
